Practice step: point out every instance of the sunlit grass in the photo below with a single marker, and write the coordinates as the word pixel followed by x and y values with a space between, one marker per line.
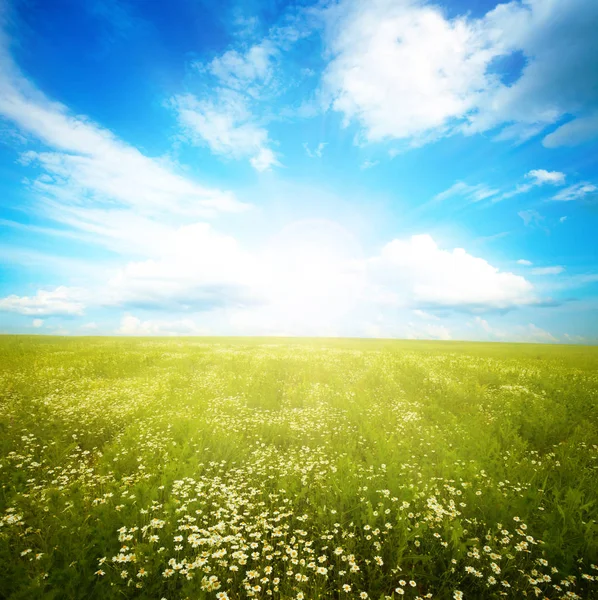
pixel 215 468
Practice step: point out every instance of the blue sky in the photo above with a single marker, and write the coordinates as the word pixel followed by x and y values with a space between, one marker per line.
pixel 389 168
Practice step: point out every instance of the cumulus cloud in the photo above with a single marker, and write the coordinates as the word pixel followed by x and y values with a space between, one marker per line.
pixel 541 176
pixel 416 271
pixel 198 270
pixel 308 279
pixel 59 301
pixel 402 69
pixel 37 323
pixel 311 279
pixel 524 262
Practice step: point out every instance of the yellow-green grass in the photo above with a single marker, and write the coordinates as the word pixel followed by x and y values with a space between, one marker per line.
pixel 297 468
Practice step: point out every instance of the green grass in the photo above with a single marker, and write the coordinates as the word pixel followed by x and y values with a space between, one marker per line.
pixel 213 468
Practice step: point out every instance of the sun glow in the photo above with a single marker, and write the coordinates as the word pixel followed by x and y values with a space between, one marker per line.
pixel 314 273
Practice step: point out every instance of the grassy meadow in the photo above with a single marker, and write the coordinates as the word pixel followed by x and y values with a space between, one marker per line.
pixel 297 469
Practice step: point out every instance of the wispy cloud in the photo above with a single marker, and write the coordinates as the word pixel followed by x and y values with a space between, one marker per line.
pixel 368 164
pixel 531 217
pixel 519 333
pixel 317 153
pixel 131 325
pixel 226 125
pixel 577 191
pixel 231 114
pixel 475 193
pixel 538 177
pixel 547 270
pixel 90 180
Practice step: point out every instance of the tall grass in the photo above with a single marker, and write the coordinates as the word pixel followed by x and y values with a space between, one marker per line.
pixel 286 468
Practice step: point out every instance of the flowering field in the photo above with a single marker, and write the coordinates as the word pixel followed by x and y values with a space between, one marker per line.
pixel 197 468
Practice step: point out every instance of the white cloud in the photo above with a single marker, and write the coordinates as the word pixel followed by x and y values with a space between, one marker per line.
pixel 244 71
pixel 225 117
pixel 91 326
pixel 430 331
pixel 91 164
pixel 317 153
pixel 520 333
pixel 575 192
pixel 311 277
pixel 541 176
pixel 227 126
pixel 401 69
pixel 575 339
pixel 417 272
pixel 562 219
pixel 425 315
pixel 59 301
pixel 531 217
pixel 91 180
pixel 578 131
pixel 264 159
pixel 392 328
pixel 533 333
pixel 37 322
pixel 553 36
pixel 474 193
pixel 131 325
pixel 524 262
pixel 368 164
pixel 548 270
pixel 198 269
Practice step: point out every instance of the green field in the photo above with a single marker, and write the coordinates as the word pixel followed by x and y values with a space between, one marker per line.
pixel 275 468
